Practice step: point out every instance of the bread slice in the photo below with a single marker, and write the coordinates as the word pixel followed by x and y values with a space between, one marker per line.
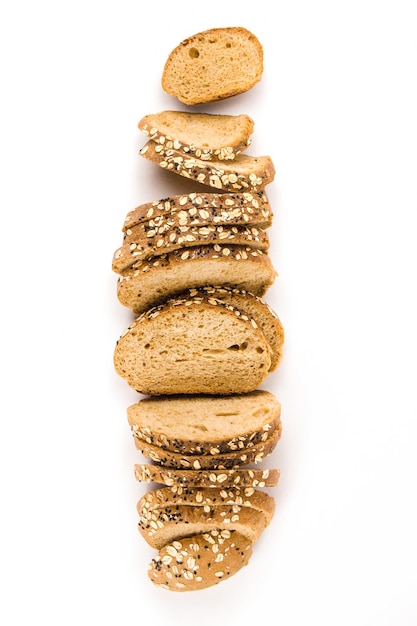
pixel 212 65
pixel 193 346
pixel 250 305
pixel 148 473
pixel 140 246
pixel 150 282
pixel 172 497
pixel 206 135
pixel 244 173
pixel 199 209
pixel 176 227
pixel 165 525
pixel 205 424
pixel 200 561
pixel 228 460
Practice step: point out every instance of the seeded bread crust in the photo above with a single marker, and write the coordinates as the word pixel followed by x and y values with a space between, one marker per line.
pixel 200 209
pixel 200 561
pixel 139 248
pixel 231 423
pixel 153 281
pixel 212 65
pixel 206 135
pixel 193 346
pixel 162 526
pixel 244 173
pixel 174 227
pixel 148 473
pixel 231 460
pixel 247 496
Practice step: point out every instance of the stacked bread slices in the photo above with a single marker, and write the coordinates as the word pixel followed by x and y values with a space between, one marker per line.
pixel 194 269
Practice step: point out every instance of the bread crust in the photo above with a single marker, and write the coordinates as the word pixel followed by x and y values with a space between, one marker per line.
pixel 244 173
pixel 231 423
pixel 231 460
pixel 142 246
pixel 248 477
pixel 202 208
pixel 207 135
pixel 153 281
pixel 200 561
pixel 161 526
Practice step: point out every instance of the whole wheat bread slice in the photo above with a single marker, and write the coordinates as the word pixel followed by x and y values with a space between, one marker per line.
pixel 212 65
pixel 140 246
pixel 162 526
pixel 222 461
pixel 167 497
pixel 206 135
pixel 200 561
pixel 244 173
pixel 188 478
pixel 200 209
pixel 193 346
pixel 152 281
pixel 205 424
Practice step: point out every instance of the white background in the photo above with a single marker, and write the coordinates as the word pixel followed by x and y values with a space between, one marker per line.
pixel 336 111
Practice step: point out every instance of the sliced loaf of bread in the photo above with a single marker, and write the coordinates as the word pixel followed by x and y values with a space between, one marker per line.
pixel 205 424
pixel 199 209
pixel 206 135
pixel 200 561
pixel 212 65
pixel 188 478
pixel 193 346
pixel 244 173
pixel 152 281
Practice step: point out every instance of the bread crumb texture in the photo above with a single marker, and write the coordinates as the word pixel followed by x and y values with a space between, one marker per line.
pixel 213 65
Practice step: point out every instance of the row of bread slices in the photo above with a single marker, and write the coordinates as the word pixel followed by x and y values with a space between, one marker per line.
pixel 212 507
pixel 193 269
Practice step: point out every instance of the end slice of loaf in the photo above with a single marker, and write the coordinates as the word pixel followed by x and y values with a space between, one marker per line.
pixel 182 478
pixel 165 525
pixel 199 209
pixel 244 173
pixel 206 135
pixel 205 424
pixel 144 244
pixel 193 347
pixel 200 561
pixel 150 282
pixel 212 65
